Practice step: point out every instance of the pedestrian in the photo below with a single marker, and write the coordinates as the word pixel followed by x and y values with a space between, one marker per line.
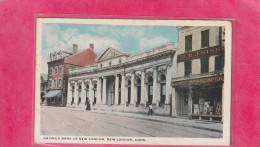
pixel 150 111
pixel 88 105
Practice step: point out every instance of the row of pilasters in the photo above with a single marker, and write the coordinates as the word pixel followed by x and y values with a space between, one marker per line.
pixel 101 90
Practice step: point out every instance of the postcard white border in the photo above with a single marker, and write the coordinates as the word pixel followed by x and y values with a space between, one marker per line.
pixel 149 140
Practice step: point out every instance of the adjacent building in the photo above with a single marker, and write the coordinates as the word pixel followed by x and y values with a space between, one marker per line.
pixel 58 66
pixel 123 82
pixel 44 86
pixel 197 82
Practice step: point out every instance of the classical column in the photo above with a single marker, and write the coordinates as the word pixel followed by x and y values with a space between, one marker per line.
pixel 144 94
pixel 116 89
pixel 91 92
pixel 69 94
pixel 133 89
pixel 168 84
pixel 104 98
pixel 99 91
pixel 123 90
pixel 174 110
pixel 156 98
pixel 190 101
pixel 76 93
pixel 83 93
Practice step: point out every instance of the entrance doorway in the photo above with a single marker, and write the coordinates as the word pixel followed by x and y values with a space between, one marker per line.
pixel 110 90
pixel 138 91
pixel 185 100
pixel 150 90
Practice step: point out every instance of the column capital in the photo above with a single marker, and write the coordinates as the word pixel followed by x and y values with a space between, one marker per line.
pixel 133 72
pixel 155 67
pixel 143 70
pixel 169 65
pixel 123 74
pixel 86 81
pixel 103 77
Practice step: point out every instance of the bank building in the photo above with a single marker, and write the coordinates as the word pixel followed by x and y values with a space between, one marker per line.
pixel 183 82
pixel 123 82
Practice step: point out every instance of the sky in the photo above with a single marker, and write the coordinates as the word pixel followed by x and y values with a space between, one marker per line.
pixel 127 38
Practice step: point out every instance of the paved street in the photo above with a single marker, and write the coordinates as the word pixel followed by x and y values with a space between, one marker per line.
pixel 64 121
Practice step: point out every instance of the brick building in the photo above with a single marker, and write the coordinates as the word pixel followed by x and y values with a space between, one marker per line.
pixel 44 86
pixel 58 66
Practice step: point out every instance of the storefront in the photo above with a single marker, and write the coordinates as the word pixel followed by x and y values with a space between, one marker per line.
pixel 199 98
pixel 53 98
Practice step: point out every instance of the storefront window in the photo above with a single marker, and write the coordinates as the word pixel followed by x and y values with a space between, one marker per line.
pixel 207 99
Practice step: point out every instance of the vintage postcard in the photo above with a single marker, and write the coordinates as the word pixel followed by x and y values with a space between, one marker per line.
pixel 133 81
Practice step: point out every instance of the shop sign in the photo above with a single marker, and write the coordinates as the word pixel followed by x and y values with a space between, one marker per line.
pixel 199 81
pixel 216 50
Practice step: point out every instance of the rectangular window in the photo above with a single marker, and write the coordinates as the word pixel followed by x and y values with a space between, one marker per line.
pixel 56 70
pixel 204 65
pixel 61 70
pixel 50 71
pixel 219 63
pixel 188 43
pixel 54 84
pixel 205 39
pixel 187 68
pixel 60 82
pixel 50 83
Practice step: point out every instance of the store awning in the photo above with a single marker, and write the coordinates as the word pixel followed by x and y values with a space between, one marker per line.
pixel 53 93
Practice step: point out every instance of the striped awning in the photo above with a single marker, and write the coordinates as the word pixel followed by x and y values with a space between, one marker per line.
pixel 53 93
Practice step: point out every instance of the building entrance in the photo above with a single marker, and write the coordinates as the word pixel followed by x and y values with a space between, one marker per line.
pixel 110 90
pixel 185 100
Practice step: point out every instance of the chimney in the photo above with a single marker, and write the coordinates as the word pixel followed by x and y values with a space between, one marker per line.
pixel 75 48
pixel 91 46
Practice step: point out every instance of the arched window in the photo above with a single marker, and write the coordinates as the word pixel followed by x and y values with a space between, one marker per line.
pixel 95 93
pixel 150 80
pixel 150 90
pixel 79 94
pixel 129 91
pixel 87 94
pixel 163 77
pixel 162 90
pixel 73 93
pixel 138 82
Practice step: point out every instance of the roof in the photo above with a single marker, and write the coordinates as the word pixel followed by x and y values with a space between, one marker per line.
pixel 44 78
pixel 83 58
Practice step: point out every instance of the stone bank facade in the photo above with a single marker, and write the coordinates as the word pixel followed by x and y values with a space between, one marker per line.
pixel 123 82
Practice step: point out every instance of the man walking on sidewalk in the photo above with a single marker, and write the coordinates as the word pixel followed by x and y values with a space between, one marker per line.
pixel 150 112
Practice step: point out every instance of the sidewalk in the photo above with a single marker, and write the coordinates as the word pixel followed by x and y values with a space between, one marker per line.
pixel 185 122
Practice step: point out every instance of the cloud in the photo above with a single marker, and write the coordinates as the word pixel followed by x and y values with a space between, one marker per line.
pixel 56 40
pixel 146 43
pixel 51 35
pixel 70 32
pixel 83 41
